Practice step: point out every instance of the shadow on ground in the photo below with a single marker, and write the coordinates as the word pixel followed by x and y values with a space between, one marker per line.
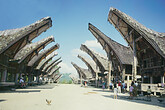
pixel 20 91
pixel 102 90
pixel 137 100
pixel 1 100
pixel 26 90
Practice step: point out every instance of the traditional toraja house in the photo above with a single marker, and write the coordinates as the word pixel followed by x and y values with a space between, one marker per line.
pixel 33 63
pixel 53 66
pixel 148 47
pixel 24 55
pixel 53 73
pixel 57 78
pixel 101 62
pixel 74 78
pixel 45 61
pixel 120 57
pixel 81 74
pixel 11 41
pixel 92 68
pixel 47 66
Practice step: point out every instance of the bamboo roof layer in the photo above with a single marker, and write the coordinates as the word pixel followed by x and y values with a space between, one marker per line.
pixel 124 23
pixel 90 64
pixel 123 54
pixel 32 48
pixel 38 58
pixel 53 66
pixel 11 41
pixel 100 61
pixel 46 60
pixel 86 74
pixel 47 66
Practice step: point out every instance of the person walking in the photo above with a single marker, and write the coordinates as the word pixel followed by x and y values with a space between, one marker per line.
pixel 110 85
pixel 103 85
pixel 119 87
pixel 115 91
pixel 131 91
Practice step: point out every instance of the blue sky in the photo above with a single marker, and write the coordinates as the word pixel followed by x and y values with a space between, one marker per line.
pixel 71 17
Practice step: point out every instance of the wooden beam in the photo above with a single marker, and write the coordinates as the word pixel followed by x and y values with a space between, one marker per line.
pixel 136 40
pixel 128 34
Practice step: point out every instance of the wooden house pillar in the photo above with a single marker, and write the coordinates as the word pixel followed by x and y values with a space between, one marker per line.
pixel 123 73
pixel 81 79
pixel 162 79
pixel 151 80
pixel 96 79
pixel 134 66
pixel 4 75
pixel 109 73
pixel 16 78
pixel 128 83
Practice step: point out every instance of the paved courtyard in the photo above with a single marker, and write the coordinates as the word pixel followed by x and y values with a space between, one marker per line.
pixel 70 97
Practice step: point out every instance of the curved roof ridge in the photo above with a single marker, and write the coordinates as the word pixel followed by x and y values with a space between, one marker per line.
pixel 12 36
pixel 156 39
pixel 29 47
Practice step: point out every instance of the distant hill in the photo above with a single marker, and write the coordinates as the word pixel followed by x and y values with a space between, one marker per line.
pixel 65 79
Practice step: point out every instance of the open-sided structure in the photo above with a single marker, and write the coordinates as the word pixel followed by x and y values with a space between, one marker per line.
pixel 100 61
pixel 79 71
pixel 92 67
pixel 45 61
pixel 120 56
pixel 13 40
pixel 148 46
pixel 46 67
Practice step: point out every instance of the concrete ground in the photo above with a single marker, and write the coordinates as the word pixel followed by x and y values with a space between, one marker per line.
pixel 70 97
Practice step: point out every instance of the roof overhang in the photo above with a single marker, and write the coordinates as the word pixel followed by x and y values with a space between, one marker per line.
pixel 15 39
pixel 131 31
pixel 29 51
pixel 101 62
pixel 38 58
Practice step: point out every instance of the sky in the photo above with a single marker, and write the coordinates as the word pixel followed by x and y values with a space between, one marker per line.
pixel 70 22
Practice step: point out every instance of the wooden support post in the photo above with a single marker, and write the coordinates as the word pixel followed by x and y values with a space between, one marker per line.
pixel 123 73
pixel 151 79
pixel 134 66
pixel 96 82
pixel 128 83
pixel 4 75
pixel 109 73
pixel 16 78
pixel 162 79
pixel 81 79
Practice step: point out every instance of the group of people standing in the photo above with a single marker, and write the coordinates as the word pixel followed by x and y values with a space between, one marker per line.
pixel 121 87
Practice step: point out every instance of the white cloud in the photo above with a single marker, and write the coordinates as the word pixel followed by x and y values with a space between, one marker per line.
pixel 67 69
pixel 75 52
pixel 93 44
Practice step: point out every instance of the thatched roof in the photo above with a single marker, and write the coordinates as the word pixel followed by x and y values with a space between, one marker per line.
pixel 32 49
pixel 84 72
pixel 125 23
pixel 90 64
pixel 50 64
pixel 38 58
pixel 53 66
pixel 56 78
pixel 122 53
pixel 54 70
pixel 80 73
pixel 11 41
pixel 46 60
pixel 101 62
